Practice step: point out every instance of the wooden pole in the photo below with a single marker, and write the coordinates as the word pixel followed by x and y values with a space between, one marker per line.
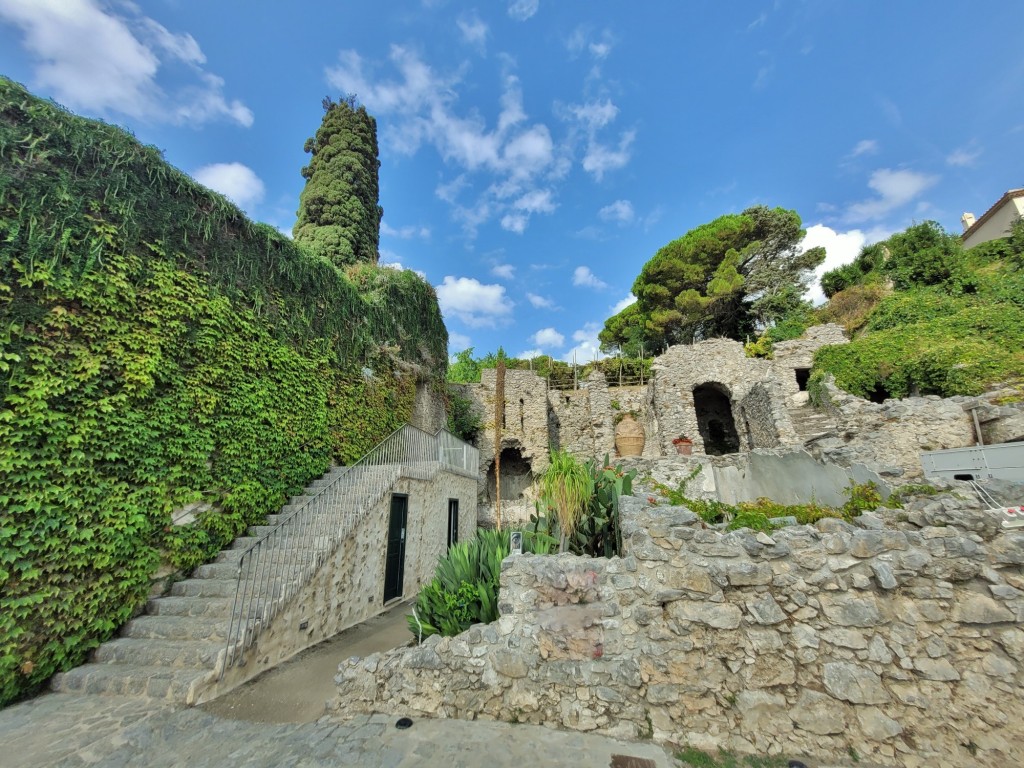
pixel 499 422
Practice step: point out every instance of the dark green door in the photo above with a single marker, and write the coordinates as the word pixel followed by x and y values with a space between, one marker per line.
pixel 394 568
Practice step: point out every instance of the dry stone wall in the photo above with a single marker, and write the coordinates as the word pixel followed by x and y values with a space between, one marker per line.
pixel 889 437
pixel 904 646
pixel 788 356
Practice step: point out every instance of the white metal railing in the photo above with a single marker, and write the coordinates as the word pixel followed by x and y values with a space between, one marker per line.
pixel 281 562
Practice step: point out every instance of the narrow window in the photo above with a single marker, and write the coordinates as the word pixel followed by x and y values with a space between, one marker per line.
pixel 453 522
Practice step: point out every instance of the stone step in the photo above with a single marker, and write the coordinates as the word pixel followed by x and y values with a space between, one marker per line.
pixel 169 684
pixel 218 570
pixel 172 654
pixel 176 628
pixel 227 588
pixel 190 606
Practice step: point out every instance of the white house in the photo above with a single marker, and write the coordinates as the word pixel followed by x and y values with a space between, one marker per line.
pixel 995 222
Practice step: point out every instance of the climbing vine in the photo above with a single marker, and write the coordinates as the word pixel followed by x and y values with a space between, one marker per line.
pixel 157 349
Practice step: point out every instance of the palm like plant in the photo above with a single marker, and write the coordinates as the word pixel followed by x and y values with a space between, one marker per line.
pixel 566 488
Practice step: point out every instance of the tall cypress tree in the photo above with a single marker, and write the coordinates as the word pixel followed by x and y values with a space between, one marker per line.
pixel 339 213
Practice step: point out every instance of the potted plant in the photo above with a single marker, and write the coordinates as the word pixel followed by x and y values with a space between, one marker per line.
pixel 683 444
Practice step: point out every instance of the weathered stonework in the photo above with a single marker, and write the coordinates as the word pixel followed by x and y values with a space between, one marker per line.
pixel 798 354
pixel 890 436
pixel 905 645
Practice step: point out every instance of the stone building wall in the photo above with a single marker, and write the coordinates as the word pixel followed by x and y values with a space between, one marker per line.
pixel 682 368
pixel 757 415
pixel 526 418
pixel 349 588
pixel 903 647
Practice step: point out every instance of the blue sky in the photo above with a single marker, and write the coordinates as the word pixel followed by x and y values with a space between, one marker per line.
pixel 535 153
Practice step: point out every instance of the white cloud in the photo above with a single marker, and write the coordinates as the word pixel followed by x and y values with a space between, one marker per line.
pixel 95 60
pixel 235 181
pixel 548 337
pixel 579 40
pixel 621 211
pixel 472 302
pixel 840 248
pixel 474 31
pixel 514 222
pixel 540 302
pixel 458 342
pixel 964 157
pixel 529 354
pixel 583 276
pixel 895 189
pixel 504 271
pixel 621 305
pixel 594 114
pixel 404 233
pixel 864 147
pixel 535 201
pixel 521 10
pixel 600 158
pixel 588 346
pixel 421 105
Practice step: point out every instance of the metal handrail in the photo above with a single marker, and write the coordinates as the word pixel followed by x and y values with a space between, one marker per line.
pixel 282 561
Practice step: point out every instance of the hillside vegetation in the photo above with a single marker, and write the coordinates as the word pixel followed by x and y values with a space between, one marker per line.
pixel 159 349
pixel 927 317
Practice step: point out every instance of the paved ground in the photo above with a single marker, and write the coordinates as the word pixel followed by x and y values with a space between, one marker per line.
pixel 57 730
pixel 274 721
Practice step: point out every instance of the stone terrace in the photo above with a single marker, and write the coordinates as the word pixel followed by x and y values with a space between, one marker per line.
pixel 903 645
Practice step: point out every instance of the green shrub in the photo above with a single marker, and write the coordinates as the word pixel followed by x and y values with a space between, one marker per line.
pixel 464 590
pixel 463 419
pixel 597 531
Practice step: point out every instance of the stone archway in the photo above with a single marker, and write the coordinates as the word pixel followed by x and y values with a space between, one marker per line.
pixel 516 476
pixel 715 420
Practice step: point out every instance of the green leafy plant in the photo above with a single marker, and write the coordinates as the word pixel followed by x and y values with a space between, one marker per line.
pixel 597 531
pixel 464 590
pixel 566 488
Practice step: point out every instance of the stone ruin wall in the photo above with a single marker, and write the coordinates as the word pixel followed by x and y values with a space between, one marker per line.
pixel 787 356
pixel 755 418
pixel 890 436
pixel 721 361
pixel 903 646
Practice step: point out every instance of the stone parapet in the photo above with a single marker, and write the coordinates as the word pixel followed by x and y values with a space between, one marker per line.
pixel 904 646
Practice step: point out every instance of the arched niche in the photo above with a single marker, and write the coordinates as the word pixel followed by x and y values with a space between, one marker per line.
pixel 516 476
pixel 715 419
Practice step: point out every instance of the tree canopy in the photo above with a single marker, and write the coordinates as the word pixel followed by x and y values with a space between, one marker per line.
pixel 728 278
pixel 339 213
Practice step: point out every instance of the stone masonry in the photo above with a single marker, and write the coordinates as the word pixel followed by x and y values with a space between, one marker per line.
pixel 900 642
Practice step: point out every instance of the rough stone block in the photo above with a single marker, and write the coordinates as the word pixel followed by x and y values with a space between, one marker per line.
pixel 817 713
pixel 849 611
pixel 854 683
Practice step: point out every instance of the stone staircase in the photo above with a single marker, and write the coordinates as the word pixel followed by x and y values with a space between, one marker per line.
pixel 811 423
pixel 178 646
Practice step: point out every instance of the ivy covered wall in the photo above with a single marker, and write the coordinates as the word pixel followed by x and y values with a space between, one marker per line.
pixel 156 349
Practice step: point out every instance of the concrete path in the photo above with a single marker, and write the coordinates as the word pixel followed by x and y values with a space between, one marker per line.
pixel 276 721
pixel 296 691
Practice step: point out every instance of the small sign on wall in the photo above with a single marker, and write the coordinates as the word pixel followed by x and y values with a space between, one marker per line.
pixel 516 543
